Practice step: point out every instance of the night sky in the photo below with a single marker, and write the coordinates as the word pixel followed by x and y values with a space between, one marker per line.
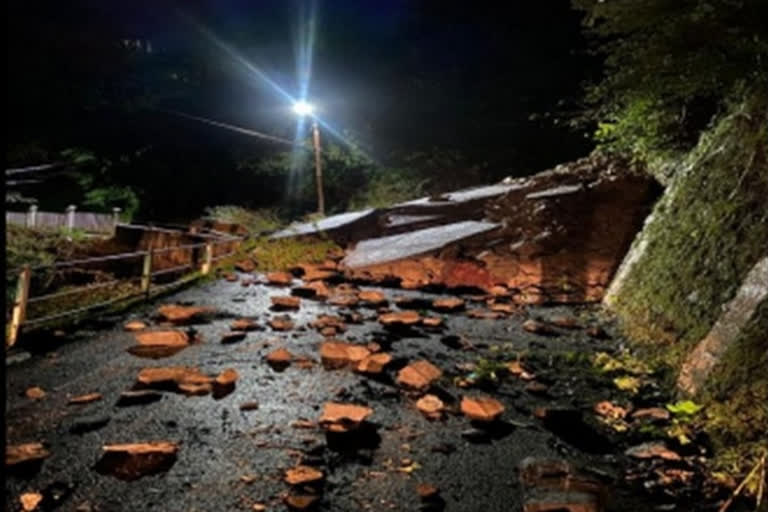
pixel 398 76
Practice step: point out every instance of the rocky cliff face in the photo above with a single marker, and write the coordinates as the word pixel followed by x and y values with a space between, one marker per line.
pixel 557 236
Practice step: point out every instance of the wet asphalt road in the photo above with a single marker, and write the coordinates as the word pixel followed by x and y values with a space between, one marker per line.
pixel 219 443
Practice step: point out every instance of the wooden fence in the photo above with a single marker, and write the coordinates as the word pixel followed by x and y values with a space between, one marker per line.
pixel 71 219
pixel 143 280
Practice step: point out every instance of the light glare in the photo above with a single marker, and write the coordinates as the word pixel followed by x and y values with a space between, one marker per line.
pixel 303 108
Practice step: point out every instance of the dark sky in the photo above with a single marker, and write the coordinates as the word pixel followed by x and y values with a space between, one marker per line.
pixel 399 75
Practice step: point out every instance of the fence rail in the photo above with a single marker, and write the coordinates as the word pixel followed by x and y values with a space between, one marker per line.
pixel 146 284
pixel 72 219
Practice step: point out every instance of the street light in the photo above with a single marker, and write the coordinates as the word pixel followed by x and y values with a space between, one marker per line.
pixel 302 108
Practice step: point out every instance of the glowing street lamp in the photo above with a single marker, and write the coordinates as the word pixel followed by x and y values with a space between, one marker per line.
pixel 302 108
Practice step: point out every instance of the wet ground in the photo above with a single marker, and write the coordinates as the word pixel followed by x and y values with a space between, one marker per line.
pixel 231 459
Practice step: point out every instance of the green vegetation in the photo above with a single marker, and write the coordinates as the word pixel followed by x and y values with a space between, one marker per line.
pixel 286 253
pixel 670 66
pixel 255 221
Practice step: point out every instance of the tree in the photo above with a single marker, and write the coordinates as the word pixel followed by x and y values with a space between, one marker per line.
pixel 670 65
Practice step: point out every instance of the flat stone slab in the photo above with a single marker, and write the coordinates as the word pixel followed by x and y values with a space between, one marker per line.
pixel 326 224
pixel 396 247
pixel 469 194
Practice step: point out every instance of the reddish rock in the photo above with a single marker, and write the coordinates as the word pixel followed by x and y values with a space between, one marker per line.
pixel 246 266
pixel 335 354
pixel 431 406
pixel 538 327
pixel 338 417
pixel 281 323
pixel 279 278
pixel 321 289
pixel 483 314
pixel 134 325
pixel 503 307
pixel 654 413
pixel 224 383
pixel 400 319
pixel 244 324
pixel 609 410
pixel 432 322
pixel 565 321
pixel 231 277
pixel 499 291
pixel 300 501
pixel 135 460
pixel 481 409
pixel 30 500
pixel 448 305
pixel 323 322
pixel 279 359
pixel 652 450
pixel 85 399
pixel 343 300
pixel 22 453
pixel 372 298
pixel 552 485
pixel 315 272
pixel 516 368
pixel 300 475
pixel 427 491
pixel 285 302
pixel 374 363
pixel 418 375
pixel 182 314
pixel 537 388
pixel 372 346
pixel 175 378
pixel 164 338
pixel 34 393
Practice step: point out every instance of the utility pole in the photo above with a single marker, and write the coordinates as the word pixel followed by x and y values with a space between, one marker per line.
pixel 318 169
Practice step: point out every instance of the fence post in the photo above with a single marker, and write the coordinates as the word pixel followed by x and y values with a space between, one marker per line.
pixel 115 218
pixel 20 305
pixel 146 272
pixel 208 259
pixel 32 216
pixel 71 217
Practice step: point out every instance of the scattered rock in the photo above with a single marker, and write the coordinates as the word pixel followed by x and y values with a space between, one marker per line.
pixel 281 323
pixel 374 363
pixel 168 338
pixel 538 327
pixel 231 277
pixel 343 300
pixel 224 383
pixel 22 453
pixel 418 375
pixel 565 321
pixel 143 397
pixel 338 417
pixel 325 322
pixel 372 298
pixel 373 347
pixel 233 337
pixel 303 424
pixel 85 399
pixel 176 378
pixel 427 491
pixel 483 314
pixel 134 325
pixel 244 324
pixel 135 460
pixel 481 409
pixel 300 501
pixel 516 368
pixel 652 450
pixel 334 354
pixel 182 314
pixel 321 290
pixel 285 302
pixel 279 278
pixel 400 319
pixel 431 406
pixel 502 307
pixel 433 322
pixel 279 359
pixel 654 413
pixel 300 475
pixel 314 272
pixel 246 266
pixel 448 305
pixel 537 388
pixel 610 410
pixel 34 393
pixel 249 406
pixel 30 501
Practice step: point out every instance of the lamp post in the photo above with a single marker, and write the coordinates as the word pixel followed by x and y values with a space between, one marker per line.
pixel 302 108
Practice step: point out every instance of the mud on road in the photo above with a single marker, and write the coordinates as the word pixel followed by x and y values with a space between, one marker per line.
pixel 233 458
